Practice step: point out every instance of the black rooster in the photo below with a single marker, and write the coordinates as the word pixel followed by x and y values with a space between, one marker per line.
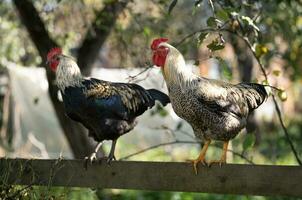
pixel 108 110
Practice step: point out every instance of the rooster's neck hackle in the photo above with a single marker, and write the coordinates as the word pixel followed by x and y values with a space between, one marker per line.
pixel 68 74
pixel 175 70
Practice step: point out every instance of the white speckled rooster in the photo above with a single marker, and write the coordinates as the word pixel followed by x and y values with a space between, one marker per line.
pixel 215 109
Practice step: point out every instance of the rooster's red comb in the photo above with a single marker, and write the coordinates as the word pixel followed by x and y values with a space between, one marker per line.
pixel 54 51
pixel 157 41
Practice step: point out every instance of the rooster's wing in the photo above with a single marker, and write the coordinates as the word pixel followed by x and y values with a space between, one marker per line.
pixel 123 99
pixel 225 98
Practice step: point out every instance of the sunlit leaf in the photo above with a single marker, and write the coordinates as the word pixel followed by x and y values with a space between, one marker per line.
pixel 222 15
pixel 282 95
pixel 247 20
pixel 299 22
pixel 276 72
pixel 172 5
pixel 264 82
pixel 248 142
pixel 261 50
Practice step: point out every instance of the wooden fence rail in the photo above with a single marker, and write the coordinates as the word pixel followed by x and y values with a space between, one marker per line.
pixel 161 176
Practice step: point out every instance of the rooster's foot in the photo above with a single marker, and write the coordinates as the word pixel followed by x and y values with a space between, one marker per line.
pixel 219 162
pixel 110 159
pixel 223 158
pixel 195 162
pixel 90 159
pixel 201 157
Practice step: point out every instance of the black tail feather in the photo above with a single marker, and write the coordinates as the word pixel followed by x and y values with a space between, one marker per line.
pixel 159 96
pixel 255 94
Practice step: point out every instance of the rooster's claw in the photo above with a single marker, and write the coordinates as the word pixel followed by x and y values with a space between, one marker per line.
pixel 90 159
pixel 110 158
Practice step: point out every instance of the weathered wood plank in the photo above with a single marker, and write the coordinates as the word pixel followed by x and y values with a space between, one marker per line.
pixel 162 176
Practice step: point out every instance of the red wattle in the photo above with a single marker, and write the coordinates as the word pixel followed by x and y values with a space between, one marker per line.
pixel 159 56
pixel 159 60
pixel 54 65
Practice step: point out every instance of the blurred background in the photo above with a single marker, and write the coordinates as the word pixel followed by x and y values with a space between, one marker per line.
pixel 229 40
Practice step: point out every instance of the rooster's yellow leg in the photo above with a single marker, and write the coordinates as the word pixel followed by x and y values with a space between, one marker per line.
pixel 202 155
pixel 223 156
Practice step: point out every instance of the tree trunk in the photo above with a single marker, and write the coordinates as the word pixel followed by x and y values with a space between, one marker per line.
pixel 76 135
pixel 98 33
pixel 245 66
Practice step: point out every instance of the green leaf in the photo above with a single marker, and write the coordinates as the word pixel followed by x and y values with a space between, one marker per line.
pixel 226 71
pixel 222 15
pixel 276 72
pixel 147 31
pixel 248 142
pixel 172 5
pixel 211 22
pixel 194 10
pixel 261 50
pixel 247 20
pixel 160 110
pixel 201 37
pixel 163 113
pixel 157 110
pixel 215 45
pixel 282 95
pixel 265 82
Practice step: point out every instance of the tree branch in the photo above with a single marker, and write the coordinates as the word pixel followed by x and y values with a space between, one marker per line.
pixel 193 33
pixel 285 131
pixel 177 141
pixel 181 142
pixel 35 27
pixel 75 134
pixel 98 33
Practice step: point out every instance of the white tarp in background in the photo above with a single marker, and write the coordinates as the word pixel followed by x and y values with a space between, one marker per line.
pixel 40 134
pixel 38 123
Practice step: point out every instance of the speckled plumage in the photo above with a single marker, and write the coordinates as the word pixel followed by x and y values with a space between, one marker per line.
pixel 216 114
pixel 216 110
